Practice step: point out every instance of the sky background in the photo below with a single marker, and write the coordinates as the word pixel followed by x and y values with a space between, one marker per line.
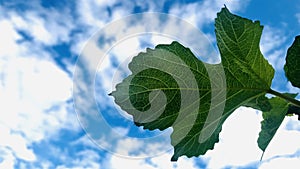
pixel 40 42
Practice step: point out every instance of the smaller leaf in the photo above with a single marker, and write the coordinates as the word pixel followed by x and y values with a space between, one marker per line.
pixel 272 120
pixel 292 65
pixel 261 103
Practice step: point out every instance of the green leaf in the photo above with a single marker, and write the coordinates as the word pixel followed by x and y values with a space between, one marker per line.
pixel 292 65
pixel 272 120
pixel 238 41
pixel 261 103
pixel 170 87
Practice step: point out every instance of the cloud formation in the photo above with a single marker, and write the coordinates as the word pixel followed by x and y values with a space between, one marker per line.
pixel 36 92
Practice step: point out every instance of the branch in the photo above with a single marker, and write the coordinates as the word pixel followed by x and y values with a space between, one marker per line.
pixel 287 98
pixel 294 108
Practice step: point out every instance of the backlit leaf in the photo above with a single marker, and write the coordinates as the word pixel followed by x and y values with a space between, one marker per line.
pixel 292 65
pixel 170 87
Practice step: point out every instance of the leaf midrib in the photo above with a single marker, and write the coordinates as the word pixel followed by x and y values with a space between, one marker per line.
pixel 194 89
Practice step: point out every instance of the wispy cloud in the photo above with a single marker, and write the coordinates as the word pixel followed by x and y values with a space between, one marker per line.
pixel 45 26
pixel 82 159
pixel 292 163
pixel 163 161
pixel 281 138
pixel 202 13
pixel 36 92
pixel 273 43
pixel 237 140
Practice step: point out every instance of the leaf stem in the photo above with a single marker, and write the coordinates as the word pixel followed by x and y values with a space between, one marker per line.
pixel 262 156
pixel 289 99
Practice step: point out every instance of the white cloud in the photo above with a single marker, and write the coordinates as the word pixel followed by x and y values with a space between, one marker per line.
pixel 86 159
pixel 238 142
pixel 292 123
pixel 279 163
pixel 16 143
pixel 231 144
pixel 128 146
pixel 132 145
pixel 202 13
pixel 238 138
pixel 106 2
pixel 46 26
pixel 292 89
pixel 121 130
pixel 157 162
pixel 8 40
pixel 272 38
pixel 284 142
pixel 93 15
pixel 272 46
pixel 32 87
pixel 89 13
pixel 8 159
pixel 34 90
pixel 160 162
pixel 137 153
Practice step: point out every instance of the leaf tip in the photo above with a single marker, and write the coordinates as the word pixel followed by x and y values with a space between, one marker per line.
pixel 175 43
pixel 225 8
pixel 111 93
pixel 174 158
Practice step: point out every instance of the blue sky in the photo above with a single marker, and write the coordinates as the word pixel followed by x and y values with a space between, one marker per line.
pixel 47 68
